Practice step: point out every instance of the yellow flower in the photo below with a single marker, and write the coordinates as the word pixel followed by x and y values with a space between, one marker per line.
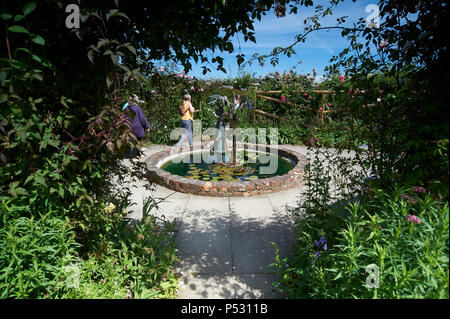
pixel 110 208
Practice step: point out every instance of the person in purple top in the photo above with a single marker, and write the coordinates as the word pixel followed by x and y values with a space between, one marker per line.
pixel 139 123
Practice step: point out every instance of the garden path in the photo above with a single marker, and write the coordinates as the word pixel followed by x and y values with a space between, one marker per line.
pixel 225 243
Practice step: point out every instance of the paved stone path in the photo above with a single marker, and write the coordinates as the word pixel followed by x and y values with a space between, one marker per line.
pixel 225 243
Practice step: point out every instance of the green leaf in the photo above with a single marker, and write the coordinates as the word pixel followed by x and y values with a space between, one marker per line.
pixel 166 285
pixel 90 55
pixel 109 81
pixel 131 48
pixel 20 50
pixel 36 58
pixel 115 58
pixel 101 43
pixel 18 29
pixel 18 191
pixel 61 191
pixel 18 17
pixel 29 7
pixel 6 16
pixel 37 76
pixel 38 39
pixel 40 180
pixel 116 13
pixel 13 185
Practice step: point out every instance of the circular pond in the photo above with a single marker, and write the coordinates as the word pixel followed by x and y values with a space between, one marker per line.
pixel 206 167
pixel 261 171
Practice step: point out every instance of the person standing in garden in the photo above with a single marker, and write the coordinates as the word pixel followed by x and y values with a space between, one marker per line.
pixel 186 111
pixel 139 124
pixel 236 102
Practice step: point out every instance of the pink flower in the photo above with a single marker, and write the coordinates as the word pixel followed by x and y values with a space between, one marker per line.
pixel 413 219
pixel 192 88
pixel 320 109
pixel 309 97
pixel 179 75
pixel 408 198
pixel 329 104
pixel 353 97
pixel 341 78
pixel 161 69
pixel 186 76
pixel 350 91
pixel 419 189
pixel 383 44
pixel 288 100
pixel 305 94
pixel 201 89
pixel 153 92
pixel 173 83
pixel 282 99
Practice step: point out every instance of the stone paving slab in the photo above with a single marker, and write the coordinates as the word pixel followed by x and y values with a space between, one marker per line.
pixel 282 202
pixel 205 236
pixel 253 286
pixel 172 210
pixel 255 207
pixel 252 246
pixel 204 264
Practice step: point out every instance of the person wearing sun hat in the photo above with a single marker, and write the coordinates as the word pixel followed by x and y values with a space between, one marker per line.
pixel 138 122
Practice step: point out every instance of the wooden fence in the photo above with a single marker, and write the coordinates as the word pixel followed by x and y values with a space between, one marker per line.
pixel 263 94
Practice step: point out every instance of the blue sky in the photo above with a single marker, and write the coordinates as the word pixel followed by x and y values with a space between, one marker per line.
pixel 271 32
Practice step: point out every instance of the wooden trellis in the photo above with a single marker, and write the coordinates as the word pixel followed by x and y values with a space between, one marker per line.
pixel 261 94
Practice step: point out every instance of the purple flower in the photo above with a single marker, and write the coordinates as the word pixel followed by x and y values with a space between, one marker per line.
pixel 419 189
pixel 323 240
pixel 325 247
pixel 413 219
pixel 408 198
pixel 316 243
pixel 317 254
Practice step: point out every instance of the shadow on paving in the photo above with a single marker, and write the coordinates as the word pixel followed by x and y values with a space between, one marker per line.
pixel 225 256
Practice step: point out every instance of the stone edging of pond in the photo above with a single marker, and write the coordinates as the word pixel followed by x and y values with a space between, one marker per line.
pixel 293 178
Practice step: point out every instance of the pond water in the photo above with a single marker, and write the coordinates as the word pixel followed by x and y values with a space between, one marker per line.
pixel 205 167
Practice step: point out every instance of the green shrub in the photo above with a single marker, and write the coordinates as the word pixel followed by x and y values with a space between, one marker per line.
pixel 334 249
pixel 132 260
pixel 34 252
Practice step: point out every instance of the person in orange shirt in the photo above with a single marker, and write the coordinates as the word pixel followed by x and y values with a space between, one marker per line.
pixel 187 115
